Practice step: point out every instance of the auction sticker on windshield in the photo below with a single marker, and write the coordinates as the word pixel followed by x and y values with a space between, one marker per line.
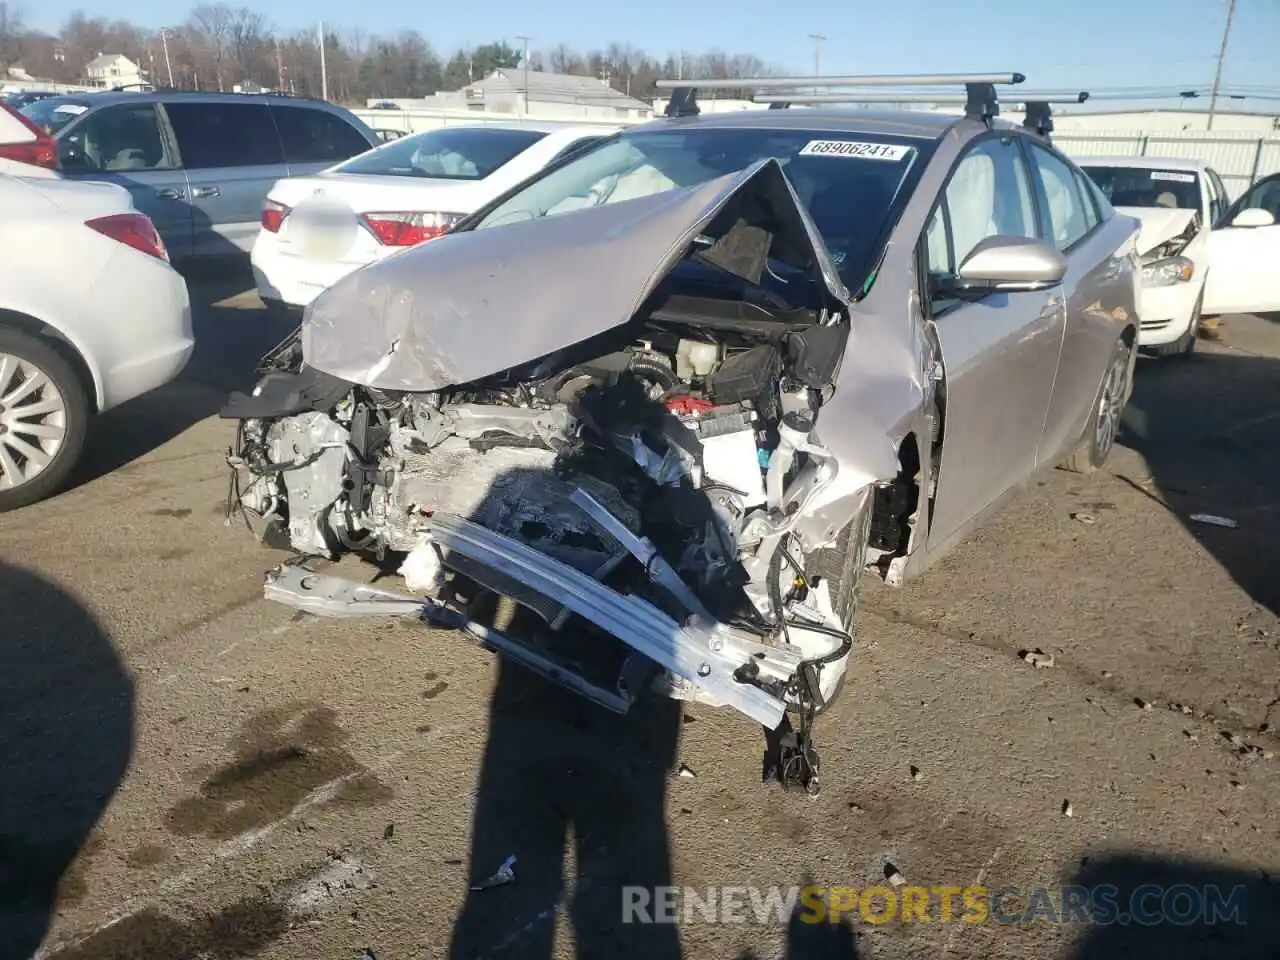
pixel 855 149
pixel 1175 177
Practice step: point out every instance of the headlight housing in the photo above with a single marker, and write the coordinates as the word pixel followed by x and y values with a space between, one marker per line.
pixel 1167 271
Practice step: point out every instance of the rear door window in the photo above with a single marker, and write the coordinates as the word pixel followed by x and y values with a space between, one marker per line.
pixel 218 135
pixel 316 136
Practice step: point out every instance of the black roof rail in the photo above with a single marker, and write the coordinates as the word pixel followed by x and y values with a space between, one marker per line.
pixel 980 89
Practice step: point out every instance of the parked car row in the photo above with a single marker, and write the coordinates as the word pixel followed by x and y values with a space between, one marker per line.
pixel 198 164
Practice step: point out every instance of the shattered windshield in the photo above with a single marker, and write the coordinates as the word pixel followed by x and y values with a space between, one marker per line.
pixel 849 182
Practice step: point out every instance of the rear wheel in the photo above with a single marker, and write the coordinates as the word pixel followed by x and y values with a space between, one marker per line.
pixel 1108 407
pixel 44 415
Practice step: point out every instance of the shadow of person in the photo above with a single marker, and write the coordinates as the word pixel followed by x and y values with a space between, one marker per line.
pixel 574 791
pixel 66 735
pixel 577 795
pixel 1148 906
pixel 1206 428
pixel 814 935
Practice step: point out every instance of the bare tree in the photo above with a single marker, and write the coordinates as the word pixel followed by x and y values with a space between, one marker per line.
pixel 211 27
pixel 12 33
pixel 246 40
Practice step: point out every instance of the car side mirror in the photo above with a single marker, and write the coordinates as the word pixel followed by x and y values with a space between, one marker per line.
pixel 1004 264
pixel 69 156
pixel 1254 217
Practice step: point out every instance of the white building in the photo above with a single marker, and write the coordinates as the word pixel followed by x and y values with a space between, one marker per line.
pixel 550 96
pixel 109 70
pixel 1166 121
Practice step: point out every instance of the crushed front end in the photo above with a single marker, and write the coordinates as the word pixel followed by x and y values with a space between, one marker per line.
pixel 622 514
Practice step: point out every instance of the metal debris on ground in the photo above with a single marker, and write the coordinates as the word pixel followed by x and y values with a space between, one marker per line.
pixel 1233 738
pixel 894 875
pixel 916 774
pixel 1213 520
pixel 687 771
pixel 1067 809
pixel 505 874
pixel 1088 519
pixel 1037 658
pixel 367 954
pixel 1143 704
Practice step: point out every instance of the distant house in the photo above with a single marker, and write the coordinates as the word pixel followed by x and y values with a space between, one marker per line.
pixel 550 95
pixel 109 70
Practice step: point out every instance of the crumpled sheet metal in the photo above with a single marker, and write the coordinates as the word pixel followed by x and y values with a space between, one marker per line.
pixel 473 304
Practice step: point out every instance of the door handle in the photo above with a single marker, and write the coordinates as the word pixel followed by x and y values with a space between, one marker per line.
pixel 206 192
pixel 169 193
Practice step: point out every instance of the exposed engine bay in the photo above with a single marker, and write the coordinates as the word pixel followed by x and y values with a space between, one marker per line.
pixel 621 514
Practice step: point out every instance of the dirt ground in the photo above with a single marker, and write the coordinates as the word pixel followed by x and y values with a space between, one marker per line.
pixel 190 771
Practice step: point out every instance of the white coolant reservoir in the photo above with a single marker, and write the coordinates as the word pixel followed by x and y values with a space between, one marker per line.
pixel 695 358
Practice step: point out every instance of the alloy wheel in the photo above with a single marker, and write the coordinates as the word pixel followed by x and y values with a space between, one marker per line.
pixel 33 421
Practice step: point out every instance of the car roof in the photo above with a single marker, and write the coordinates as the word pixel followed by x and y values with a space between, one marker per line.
pixel 1144 163
pixel 103 97
pixel 541 126
pixel 918 124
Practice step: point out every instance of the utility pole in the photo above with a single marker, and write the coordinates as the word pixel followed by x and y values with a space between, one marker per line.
pixel 279 67
pixel 817 39
pixel 324 75
pixel 1222 56
pixel 524 65
pixel 168 64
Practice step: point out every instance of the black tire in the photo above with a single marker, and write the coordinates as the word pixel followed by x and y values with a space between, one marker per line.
pixel 1113 392
pixel 842 565
pixel 76 405
pixel 1185 345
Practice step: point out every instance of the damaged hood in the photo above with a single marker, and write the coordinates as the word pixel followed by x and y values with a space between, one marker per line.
pixel 1158 224
pixel 475 303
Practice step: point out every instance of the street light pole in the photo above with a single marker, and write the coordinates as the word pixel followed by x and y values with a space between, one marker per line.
pixel 817 39
pixel 1222 56
pixel 524 64
pixel 164 42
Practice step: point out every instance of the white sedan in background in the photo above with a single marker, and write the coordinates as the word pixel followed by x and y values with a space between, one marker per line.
pixel 91 314
pixel 317 229
pixel 1201 254
pixel 1177 202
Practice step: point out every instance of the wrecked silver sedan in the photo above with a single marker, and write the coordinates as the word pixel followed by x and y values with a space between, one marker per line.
pixel 643 423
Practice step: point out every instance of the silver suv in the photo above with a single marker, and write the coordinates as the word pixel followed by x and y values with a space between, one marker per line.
pixel 198 164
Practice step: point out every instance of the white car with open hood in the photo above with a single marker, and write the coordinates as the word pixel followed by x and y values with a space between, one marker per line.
pixel 317 229
pixel 1201 254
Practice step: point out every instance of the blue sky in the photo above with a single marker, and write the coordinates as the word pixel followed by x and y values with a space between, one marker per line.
pixel 1098 43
